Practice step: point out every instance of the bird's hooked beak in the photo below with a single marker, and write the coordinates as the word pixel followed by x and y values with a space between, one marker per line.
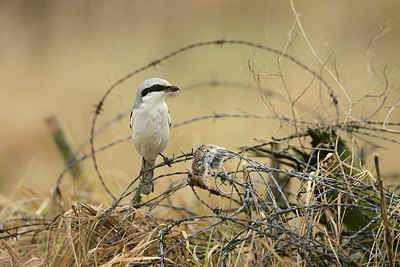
pixel 171 89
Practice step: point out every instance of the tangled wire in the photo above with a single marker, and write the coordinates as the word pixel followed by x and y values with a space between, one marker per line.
pixel 311 204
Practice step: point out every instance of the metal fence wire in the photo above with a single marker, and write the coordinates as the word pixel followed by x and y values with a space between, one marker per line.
pixel 300 200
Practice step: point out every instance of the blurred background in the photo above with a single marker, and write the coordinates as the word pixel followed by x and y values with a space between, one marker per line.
pixel 59 57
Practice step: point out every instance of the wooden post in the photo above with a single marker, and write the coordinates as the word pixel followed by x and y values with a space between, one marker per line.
pixel 65 146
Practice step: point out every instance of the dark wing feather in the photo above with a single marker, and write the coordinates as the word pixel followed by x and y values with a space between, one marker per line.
pixel 130 119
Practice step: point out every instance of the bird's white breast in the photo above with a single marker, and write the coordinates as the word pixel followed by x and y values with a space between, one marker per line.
pixel 150 129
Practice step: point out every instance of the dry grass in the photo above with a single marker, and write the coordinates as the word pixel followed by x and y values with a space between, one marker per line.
pixel 315 225
pixel 310 203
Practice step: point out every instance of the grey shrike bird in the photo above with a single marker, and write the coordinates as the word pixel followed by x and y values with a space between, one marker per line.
pixel 150 122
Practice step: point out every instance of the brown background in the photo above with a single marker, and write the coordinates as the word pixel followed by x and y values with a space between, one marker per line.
pixel 59 57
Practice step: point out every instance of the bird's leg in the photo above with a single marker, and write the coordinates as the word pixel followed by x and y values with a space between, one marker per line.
pixel 137 198
pixel 142 170
pixel 167 160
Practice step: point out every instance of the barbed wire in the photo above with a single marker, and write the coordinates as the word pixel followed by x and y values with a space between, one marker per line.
pixel 329 211
pixel 99 106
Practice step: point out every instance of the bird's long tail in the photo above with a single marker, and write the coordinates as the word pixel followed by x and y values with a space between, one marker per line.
pixel 147 184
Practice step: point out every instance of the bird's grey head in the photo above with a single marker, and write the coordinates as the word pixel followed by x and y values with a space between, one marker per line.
pixel 153 89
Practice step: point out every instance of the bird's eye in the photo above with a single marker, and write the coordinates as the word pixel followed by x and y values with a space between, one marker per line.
pixel 156 87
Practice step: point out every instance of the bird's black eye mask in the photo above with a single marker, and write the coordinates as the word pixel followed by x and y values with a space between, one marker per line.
pixel 154 88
